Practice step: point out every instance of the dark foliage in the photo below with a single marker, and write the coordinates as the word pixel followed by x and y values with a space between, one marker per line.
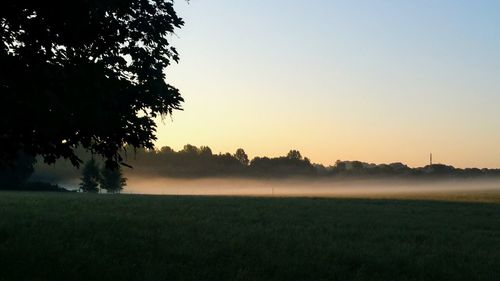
pixel 281 166
pixel 191 161
pixel 84 73
pixel 241 156
pixel 112 180
pixel 42 186
pixel 91 177
pixel 15 174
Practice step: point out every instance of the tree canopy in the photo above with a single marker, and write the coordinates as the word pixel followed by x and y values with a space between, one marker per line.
pixel 86 73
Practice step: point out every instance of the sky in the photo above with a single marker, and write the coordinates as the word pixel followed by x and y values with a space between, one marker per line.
pixel 378 81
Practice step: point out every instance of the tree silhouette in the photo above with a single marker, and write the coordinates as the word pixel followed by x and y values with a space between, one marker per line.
pixel 84 73
pixel 190 150
pixel 242 156
pixel 340 166
pixel 205 151
pixel 112 180
pixel 294 154
pixel 91 177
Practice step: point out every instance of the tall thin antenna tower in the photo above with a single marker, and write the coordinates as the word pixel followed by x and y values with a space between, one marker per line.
pixel 431 159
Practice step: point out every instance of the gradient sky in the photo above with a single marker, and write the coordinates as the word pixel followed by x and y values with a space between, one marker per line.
pixel 376 80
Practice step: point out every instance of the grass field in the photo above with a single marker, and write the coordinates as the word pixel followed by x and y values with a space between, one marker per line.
pixel 49 236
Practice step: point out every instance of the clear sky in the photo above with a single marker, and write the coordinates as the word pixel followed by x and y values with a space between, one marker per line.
pixel 375 80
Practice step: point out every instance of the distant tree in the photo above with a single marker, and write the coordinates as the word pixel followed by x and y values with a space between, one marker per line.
pixel 398 166
pixel 190 149
pixel 291 165
pixel 357 165
pixel 440 170
pixel 84 73
pixel 205 151
pixel 294 154
pixel 91 177
pixel 112 180
pixel 340 166
pixel 241 156
pixel 263 166
pixel 166 150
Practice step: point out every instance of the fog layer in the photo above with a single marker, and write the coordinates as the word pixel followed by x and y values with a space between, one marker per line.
pixel 306 188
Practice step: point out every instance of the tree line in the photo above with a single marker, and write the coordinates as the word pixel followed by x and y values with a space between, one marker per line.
pixel 201 162
pixel 196 162
pixel 193 162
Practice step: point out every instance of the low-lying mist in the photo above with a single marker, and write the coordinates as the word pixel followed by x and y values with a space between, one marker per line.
pixel 308 188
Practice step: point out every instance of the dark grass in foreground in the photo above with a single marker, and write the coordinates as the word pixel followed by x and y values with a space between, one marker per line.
pixel 45 236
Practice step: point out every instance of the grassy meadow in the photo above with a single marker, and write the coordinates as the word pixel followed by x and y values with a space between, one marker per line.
pixel 56 236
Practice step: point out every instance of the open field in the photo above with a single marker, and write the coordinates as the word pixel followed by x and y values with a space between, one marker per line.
pixel 49 236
